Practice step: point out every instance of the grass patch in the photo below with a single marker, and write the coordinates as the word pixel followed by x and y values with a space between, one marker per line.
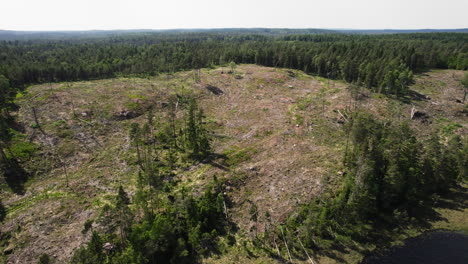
pixel 303 103
pixel 450 128
pixel 262 134
pixel 19 95
pixel 136 96
pixel 21 147
pixel 442 84
pixel 235 155
pixel 378 96
pixel 26 203
pixel 132 106
pixel 299 119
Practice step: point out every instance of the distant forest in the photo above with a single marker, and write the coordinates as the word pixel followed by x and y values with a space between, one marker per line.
pixel 383 63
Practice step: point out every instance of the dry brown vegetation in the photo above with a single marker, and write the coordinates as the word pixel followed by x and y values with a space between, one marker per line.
pixel 278 134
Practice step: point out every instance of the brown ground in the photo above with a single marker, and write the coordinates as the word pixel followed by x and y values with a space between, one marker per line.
pixel 280 130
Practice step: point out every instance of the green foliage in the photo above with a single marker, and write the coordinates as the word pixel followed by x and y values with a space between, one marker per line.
pixel 390 177
pixel 464 161
pixel 129 255
pixel 236 156
pixel 397 79
pixel 44 259
pixel 464 80
pixel 22 150
pixel 174 229
pixel 117 216
pixel 253 211
pixel 196 137
pixel 87 226
pixel 20 146
pixel 2 211
pixel 384 62
pixel 59 123
pixel 450 127
pixel 92 253
pixel 5 92
pixel 159 147
pixel 133 106
pixel 179 233
pixel 166 142
pixel 232 66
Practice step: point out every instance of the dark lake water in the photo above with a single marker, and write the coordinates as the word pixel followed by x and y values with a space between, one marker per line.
pixel 438 247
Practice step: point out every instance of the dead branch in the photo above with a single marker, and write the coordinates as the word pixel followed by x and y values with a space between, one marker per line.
pixel 37 122
pixel 310 259
pixel 413 110
pixel 286 244
pixel 277 249
pixel 342 116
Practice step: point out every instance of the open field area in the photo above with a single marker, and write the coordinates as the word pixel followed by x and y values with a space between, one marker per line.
pixel 277 137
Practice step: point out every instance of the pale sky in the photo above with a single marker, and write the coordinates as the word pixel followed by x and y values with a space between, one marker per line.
pixel 170 14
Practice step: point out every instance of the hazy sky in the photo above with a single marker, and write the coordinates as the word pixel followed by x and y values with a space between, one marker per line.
pixel 157 14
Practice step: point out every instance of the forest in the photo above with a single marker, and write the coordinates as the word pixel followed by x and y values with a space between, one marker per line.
pixel 384 63
pixel 391 175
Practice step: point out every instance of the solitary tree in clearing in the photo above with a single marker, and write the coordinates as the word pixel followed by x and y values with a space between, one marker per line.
pixel 464 81
pixel 233 66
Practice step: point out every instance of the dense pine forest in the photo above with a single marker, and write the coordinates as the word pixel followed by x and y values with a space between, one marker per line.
pixel 390 174
pixel 384 63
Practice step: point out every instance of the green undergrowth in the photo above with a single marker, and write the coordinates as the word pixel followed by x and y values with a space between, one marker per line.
pixel 236 155
pixel 20 147
pixel 26 203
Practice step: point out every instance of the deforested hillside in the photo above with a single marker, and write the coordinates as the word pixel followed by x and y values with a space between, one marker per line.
pixel 234 164
pixel 257 132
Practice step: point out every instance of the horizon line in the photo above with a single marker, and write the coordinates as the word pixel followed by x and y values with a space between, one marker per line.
pixel 221 28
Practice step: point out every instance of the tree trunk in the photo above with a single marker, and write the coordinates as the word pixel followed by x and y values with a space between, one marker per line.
pixel 286 244
pixel 37 122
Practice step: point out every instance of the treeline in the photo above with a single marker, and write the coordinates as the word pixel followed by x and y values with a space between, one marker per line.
pixel 11 35
pixel 384 63
pixel 163 223
pixel 391 179
pixel 12 145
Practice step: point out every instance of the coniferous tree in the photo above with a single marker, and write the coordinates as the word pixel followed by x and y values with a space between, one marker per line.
pixel 196 136
pixel 124 215
pixel 5 95
pixel 464 82
pixel 2 211
pixel 91 253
